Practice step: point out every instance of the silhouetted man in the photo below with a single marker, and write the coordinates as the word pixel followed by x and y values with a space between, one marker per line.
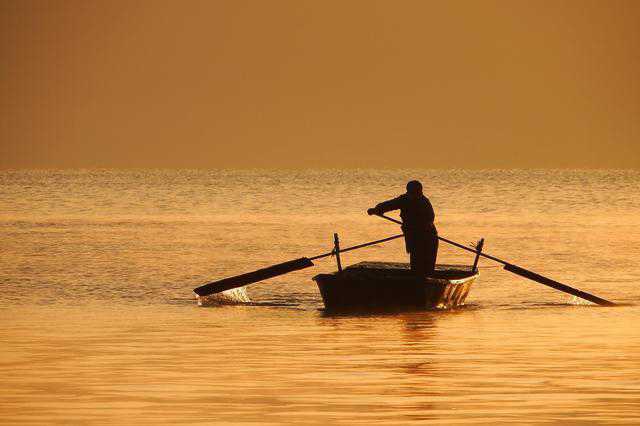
pixel 420 234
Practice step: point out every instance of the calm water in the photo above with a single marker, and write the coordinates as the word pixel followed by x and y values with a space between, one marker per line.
pixel 99 324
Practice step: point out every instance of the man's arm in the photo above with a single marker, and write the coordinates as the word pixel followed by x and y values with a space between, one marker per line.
pixel 387 206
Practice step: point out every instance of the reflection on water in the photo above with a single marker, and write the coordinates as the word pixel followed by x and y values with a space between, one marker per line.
pixel 255 363
pixel 99 324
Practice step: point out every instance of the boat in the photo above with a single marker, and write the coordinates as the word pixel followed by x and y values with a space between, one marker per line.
pixel 390 285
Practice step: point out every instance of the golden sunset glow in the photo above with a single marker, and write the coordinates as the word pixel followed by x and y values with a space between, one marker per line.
pixel 206 84
pixel 295 212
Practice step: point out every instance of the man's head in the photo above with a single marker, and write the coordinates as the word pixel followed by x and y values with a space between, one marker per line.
pixel 414 188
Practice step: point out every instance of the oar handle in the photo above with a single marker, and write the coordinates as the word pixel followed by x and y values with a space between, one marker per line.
pixel 453 243
pixel 320 256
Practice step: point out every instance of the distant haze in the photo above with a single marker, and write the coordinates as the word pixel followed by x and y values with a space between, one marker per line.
pixel 206 84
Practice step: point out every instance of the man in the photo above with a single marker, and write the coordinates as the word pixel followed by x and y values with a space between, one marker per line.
pixel 420 234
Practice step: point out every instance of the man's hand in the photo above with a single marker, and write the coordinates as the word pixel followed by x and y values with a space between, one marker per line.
pixel 372 211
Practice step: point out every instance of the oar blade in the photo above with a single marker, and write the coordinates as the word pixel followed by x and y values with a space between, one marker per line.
pixel 253 277
pixel 555 284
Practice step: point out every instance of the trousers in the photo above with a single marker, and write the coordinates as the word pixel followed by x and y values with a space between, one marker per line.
pixel 423 251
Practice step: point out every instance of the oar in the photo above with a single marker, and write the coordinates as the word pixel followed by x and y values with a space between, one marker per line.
pixel 526 273
pixel 274 270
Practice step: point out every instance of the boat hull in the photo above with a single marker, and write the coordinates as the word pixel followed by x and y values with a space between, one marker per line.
pixel 379 286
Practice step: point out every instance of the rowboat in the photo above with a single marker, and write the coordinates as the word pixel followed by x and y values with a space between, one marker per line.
pixel 385 285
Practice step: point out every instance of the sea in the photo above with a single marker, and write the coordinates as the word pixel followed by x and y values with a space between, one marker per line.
pixel 99 324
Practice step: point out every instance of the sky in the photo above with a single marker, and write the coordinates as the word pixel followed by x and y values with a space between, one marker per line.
pixel 316 84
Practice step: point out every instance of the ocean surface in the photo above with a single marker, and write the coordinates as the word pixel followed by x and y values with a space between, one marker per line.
pixel 99 325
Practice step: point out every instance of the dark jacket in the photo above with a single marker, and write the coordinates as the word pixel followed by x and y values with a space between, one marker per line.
pixel 417 214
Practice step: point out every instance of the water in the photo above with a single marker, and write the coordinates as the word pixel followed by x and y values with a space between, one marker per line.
pixel 99 325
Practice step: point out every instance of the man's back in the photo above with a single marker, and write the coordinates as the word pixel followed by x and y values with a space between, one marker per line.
pixel 416 212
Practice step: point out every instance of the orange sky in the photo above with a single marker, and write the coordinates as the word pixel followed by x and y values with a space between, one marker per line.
pixel 203 84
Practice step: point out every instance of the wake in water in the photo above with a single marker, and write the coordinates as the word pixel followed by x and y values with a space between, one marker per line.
pixel 234 296
pixel 239 296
